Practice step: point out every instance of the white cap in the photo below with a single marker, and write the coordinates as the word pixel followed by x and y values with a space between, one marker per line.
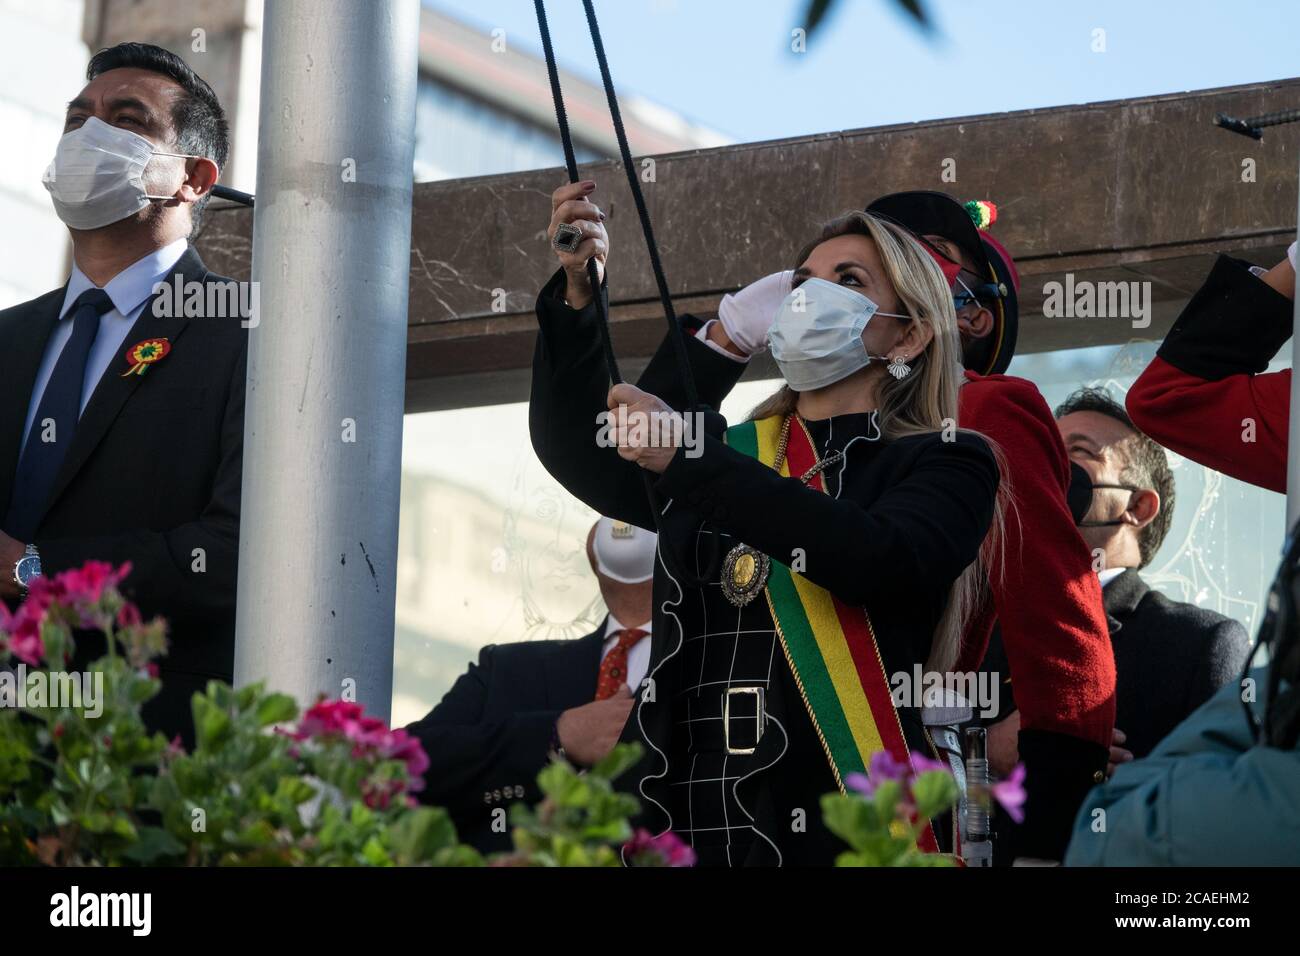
pixel 623 551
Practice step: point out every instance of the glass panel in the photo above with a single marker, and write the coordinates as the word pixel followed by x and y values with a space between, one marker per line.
pixel 1225 541
pixel 492 549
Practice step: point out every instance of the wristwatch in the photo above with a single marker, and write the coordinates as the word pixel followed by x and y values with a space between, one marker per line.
pixel 557 748
pixel 27 569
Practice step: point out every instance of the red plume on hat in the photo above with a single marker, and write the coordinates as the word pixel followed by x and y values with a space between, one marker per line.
pixel 984 213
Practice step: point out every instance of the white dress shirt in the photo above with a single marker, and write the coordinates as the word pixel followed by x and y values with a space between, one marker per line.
pixel 1109 574
pixel 130 290
pixel 638 655
pixel 703 336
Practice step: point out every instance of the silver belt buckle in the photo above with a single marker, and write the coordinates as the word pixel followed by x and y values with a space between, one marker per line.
pixel 732 692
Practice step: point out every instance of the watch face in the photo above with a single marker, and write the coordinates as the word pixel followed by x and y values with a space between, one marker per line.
pixel 28 568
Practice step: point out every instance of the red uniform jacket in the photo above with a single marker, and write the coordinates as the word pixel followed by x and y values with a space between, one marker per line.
pixel 1204 395
pixel 1047 598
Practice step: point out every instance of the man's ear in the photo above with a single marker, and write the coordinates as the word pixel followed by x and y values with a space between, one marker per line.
pixel 200 176
pixel 1143 507
pixel 977 325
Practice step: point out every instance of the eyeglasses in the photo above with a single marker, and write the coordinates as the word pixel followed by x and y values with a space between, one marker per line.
pixel 982 292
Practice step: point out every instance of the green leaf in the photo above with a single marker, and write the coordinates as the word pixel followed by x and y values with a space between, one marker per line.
pixel 375 854
pixel 886 798
pixel 420 834
pixel 96 821
pixel 361 815
pixel 153 844
pixel 211 723
pixel 852 819
pixel 123 827
pixel 933 792
pixel 258 833
pixel 459 855
pixel 622 758
pixel 246 695
pixel 559 781
pixel 276 709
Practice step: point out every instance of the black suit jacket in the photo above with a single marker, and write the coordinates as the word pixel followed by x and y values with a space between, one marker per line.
pixel 1170 658
pixel 491 734
pixel 152 477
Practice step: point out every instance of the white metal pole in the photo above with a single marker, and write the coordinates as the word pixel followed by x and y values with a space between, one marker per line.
pixel 327 359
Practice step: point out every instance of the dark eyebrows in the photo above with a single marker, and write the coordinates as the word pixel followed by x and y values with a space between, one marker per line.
pixel 1080 436
pixel 841 267
pixel 131 103
pixel 117 103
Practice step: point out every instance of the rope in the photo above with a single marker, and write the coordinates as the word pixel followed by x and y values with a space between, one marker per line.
pixel 674 327
pixel 601 293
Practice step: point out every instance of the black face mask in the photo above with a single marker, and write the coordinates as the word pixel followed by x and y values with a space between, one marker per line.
pixel 1104 524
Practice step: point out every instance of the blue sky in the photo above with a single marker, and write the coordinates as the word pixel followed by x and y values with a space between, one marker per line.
pixel 727 63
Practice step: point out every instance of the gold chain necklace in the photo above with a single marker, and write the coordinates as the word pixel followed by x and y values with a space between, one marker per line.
pixel 822 463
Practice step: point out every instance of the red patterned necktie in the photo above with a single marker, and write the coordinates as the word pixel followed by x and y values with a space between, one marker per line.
pixel 613 668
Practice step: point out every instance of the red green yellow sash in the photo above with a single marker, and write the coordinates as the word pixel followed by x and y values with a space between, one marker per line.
pixel 830 646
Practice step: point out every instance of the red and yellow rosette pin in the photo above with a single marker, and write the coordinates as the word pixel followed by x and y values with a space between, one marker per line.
pixel 143 354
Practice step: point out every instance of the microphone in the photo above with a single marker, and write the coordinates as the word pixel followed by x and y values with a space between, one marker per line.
pixel 234 195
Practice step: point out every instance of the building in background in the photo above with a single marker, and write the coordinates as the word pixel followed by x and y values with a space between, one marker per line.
pixel 42 62
pixel 477 563
pixel 483 107
pixel 491 549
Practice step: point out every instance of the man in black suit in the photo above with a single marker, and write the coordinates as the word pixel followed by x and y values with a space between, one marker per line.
pixel 1170 657
pixel 122 419
pixel 522 703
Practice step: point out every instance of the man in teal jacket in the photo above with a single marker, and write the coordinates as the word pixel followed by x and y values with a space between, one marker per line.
pixel 1208 795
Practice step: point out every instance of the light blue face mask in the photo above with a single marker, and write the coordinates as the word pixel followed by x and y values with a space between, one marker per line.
pixel 816 337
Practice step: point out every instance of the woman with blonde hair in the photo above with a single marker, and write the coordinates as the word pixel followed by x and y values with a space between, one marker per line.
pixel 824 545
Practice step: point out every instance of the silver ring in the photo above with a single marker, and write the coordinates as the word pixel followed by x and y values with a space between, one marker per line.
pixel 567 238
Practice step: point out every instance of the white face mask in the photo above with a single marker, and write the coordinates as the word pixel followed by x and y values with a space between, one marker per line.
pixel 624 552
pixel 97 176
pixel 816 338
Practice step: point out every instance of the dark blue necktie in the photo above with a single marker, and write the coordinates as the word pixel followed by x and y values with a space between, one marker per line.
pixel 47 445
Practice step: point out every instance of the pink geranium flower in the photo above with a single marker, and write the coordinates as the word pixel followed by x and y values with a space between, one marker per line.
pixel 666 849
pixel 129 616
pixel 1010 793
pixel 923 764
pixel 25 639
pixel 370 737
pixel 884 766
pixel 86 585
